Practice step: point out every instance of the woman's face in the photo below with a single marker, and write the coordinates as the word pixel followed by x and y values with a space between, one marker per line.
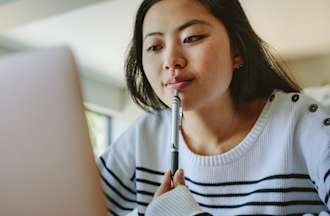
pixel 188 49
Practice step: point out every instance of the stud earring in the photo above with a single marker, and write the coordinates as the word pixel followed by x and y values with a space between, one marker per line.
pixel 239 68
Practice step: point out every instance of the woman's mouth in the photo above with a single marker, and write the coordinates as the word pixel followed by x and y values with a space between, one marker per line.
pixel 179 85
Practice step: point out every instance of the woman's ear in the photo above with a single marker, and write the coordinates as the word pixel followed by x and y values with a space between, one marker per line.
pixel 237 61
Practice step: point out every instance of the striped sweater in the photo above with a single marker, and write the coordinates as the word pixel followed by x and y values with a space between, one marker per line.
pixel 282 167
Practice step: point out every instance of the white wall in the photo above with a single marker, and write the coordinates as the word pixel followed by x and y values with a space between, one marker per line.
pixel 313 74
pixel 111 100
pixel 102 97
pixel 3 51
pixel 312 71
pixel 122 120
pixel 16 13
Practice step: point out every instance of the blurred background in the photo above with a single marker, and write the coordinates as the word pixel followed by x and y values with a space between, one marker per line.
pixel 99 31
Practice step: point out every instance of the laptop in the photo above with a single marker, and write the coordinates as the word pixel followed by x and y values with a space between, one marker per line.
pixel 47 166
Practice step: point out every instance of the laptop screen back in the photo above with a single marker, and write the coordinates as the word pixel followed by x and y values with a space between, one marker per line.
pixel 46 162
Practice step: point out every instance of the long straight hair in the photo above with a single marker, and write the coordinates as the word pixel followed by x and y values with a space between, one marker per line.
pixel 259 76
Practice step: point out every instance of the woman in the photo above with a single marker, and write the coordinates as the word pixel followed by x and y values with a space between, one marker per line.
pixel 250 143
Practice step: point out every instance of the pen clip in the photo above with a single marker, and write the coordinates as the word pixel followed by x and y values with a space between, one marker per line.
pixel 181 117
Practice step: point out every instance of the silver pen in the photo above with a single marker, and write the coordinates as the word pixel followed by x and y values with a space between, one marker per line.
pixel 176 121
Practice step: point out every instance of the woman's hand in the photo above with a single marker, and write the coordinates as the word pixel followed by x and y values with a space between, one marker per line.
pixel 173 198
pixel 168 184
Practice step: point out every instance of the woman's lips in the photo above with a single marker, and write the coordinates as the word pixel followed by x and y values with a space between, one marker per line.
pixel 179 85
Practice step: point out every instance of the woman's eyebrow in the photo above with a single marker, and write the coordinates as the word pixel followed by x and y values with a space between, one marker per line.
pixel 181 27
pixel 192 22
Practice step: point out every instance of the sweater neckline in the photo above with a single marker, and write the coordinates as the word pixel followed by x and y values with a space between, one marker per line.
pixel 233 154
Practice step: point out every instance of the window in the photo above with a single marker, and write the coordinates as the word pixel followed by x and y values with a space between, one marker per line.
pixel 100 131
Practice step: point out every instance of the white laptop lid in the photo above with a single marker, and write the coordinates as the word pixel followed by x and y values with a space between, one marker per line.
pixel 46 162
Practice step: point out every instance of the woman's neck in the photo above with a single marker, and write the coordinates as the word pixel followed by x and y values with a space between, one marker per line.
pixel 217 129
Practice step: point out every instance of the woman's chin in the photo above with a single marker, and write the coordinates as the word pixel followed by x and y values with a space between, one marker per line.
pixel 186 106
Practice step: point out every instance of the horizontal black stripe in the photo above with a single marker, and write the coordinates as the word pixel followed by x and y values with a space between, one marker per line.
pixel 116 191
pixel 203 214
pixel 133 177
pixel 117 204
pixel 138 203
pixel 272 190
pixel 141 214
pixel 298 176
pixel 267 190
pixel 149 171
pixel 288 203
pixel 257 203
pixel 145 192
pixel 286 176
pixel 281 176
pixel 326 176
pixel 147 182
pixel 112 212
pixel 143 204
pixel 114 176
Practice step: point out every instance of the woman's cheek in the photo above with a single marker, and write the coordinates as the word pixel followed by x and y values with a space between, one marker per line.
pixel 202 56
pixel 153 75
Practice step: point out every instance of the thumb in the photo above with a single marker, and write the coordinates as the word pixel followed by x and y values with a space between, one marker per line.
pixel 179 178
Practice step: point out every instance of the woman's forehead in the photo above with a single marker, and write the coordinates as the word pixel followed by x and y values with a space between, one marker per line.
pixel 173 13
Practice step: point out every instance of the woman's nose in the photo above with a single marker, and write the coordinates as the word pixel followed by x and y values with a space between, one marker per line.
pixel 174 61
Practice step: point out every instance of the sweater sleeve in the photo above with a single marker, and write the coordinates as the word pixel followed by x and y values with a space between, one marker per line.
pixel 313 138
pixel 117 168
pixel 177 202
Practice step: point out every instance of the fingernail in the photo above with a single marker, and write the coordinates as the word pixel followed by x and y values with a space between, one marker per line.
pixel 181 173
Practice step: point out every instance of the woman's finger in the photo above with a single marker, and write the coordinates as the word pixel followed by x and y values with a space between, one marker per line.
pixel 179 178
pixel 165 186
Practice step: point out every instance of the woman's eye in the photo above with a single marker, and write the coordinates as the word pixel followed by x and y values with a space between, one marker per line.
pixel 154 48
pixel 193 38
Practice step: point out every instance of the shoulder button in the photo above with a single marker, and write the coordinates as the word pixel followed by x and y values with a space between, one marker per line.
pixel 313 107
pixel 295 98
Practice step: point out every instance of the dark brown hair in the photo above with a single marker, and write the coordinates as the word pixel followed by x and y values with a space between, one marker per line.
pixel 259 76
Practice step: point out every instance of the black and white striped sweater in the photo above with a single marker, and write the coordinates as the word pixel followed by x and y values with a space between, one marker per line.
pixel 282 167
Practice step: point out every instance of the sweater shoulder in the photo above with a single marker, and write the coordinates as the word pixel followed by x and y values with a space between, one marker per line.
pixel 306 121
pixel 300 117
pixel 300 106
